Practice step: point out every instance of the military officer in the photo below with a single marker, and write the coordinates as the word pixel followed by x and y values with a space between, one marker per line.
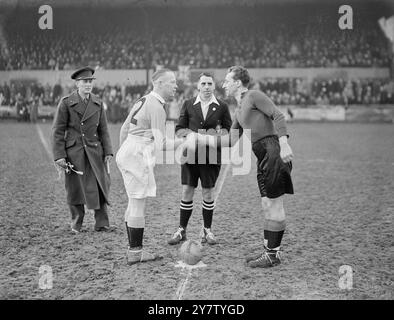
pixel 80 137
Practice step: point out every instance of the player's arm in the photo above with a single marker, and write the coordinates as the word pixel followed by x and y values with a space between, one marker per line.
pixel 285 151
pixel 182 127
pixel 265 105
pixel 158 117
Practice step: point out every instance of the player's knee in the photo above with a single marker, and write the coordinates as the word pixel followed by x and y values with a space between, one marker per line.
pixel 135 222
pixel 276 210
pixel 265 204
pixel 187 193
pixel 208 194
pixel 276 215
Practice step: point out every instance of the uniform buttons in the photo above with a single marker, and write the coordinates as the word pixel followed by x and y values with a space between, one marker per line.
pixel 83 134
pixel 94 134
pixel 81 123
pixel 84 145
pixel 95 144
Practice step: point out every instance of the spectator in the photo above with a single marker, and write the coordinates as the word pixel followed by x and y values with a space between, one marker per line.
pixel 299 42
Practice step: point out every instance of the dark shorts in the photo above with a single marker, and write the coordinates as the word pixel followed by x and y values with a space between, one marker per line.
pixel 207 173
pixel 273 175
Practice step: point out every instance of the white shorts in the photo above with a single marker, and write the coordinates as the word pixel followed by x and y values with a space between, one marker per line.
pixel 136 160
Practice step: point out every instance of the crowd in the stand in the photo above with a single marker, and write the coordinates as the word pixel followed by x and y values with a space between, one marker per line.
pixel 201 38
pixel 283 91
pixel 117 99
pixel 299 91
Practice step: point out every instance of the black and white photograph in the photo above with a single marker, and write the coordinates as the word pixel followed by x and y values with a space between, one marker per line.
pixel 216 152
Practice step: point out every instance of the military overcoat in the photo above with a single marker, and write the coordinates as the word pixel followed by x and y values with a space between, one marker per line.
pixel 80 134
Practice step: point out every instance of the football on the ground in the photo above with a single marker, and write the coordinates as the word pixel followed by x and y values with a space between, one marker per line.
pixel 190 252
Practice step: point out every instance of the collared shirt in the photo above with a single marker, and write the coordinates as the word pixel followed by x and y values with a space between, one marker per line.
pixel 83 98
pixel 205 105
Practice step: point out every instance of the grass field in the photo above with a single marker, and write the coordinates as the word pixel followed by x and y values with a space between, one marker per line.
pixel 341 214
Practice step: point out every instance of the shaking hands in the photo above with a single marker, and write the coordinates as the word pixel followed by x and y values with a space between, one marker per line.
pixel 193 139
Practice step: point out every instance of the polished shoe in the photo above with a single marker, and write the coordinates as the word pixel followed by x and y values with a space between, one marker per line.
pixel 207 236
pixel 178 236
pixel 266 260
pixel 138 256
pixel 104 228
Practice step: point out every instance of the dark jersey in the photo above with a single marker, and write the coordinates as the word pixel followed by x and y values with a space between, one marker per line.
pixel 259 114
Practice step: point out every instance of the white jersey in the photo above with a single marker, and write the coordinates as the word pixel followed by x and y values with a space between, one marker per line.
pixel 149 120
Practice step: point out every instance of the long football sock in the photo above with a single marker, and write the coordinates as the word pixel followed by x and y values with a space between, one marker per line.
pixel 207 213
pixel 186 209
pixel 273 234
pixel 136 237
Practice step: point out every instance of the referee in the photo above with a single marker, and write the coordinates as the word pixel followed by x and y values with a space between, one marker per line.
pixel 203 112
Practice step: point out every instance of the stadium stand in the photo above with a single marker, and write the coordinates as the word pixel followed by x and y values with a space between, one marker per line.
pixel 264 38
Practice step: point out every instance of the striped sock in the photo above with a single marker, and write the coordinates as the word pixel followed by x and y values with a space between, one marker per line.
pixel 207 212
pixel 186 208
pixel 273 233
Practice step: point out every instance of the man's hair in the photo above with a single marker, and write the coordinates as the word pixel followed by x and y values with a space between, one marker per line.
pixel 159 73
pixel 205 74
pixel 240 73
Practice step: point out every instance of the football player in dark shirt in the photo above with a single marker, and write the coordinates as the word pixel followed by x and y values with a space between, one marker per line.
pixel 257 113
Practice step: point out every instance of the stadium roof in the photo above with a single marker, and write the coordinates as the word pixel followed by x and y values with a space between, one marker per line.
pixel 180 3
